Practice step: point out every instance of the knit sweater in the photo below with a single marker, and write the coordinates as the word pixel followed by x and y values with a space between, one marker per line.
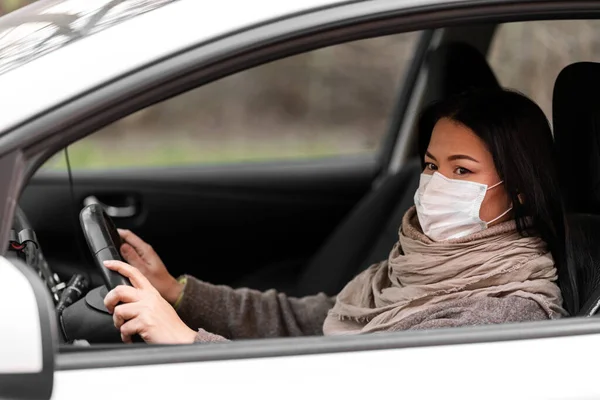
pixel 220 313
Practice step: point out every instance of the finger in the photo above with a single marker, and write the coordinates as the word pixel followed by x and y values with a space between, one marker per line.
pixel 130 328
pixel 125 312
pixel 126 339
pixel 120 294
pixel 135 241
pixel 131 256
pixel 137 279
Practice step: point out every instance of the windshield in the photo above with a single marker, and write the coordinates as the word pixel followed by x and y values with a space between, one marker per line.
pixel 48 25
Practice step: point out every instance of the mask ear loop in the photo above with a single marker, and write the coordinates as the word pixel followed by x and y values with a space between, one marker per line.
pixel 505 212
pixel 500 216
pixel 493 186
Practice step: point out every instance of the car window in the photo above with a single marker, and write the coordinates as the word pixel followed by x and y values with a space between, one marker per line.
pixel 528 56
pixel 328 102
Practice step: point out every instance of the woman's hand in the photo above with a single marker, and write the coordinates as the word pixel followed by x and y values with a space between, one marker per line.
pixel 141 255
pixel 141 310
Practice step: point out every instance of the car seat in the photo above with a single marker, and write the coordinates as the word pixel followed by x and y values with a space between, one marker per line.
pixel 576 120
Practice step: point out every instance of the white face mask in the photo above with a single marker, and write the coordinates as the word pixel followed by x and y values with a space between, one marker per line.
pixel 449 208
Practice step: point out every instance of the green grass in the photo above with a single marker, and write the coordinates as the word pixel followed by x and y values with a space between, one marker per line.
pixel 94 156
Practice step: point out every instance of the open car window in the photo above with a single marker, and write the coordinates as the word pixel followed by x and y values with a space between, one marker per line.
pixel 331 102
pixel 326 103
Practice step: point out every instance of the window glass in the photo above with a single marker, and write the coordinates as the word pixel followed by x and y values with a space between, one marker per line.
pixel 328 102
pixel 528 56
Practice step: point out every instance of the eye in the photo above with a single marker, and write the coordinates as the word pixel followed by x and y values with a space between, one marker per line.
pixel 430 166
pixel 461 171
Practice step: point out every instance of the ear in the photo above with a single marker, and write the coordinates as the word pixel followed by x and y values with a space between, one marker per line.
pixel 521 198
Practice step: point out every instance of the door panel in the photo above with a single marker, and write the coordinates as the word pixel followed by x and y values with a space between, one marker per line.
pixel 416 377
pixel 217 223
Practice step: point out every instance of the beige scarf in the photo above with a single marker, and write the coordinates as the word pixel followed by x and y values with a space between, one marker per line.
pixel 420 273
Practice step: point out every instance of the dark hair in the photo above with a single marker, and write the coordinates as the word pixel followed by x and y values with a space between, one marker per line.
pixel 518 136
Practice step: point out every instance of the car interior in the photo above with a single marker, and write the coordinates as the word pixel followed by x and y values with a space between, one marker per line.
pixel 306 227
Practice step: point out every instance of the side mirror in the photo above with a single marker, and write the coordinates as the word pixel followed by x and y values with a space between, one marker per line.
pixel 28 333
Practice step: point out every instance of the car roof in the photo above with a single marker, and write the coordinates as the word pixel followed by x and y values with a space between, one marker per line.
pixel 82 44
pixel 48 25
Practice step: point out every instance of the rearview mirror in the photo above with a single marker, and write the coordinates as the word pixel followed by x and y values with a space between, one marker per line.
pixel 28 335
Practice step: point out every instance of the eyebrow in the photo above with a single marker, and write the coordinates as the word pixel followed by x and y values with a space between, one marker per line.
pixel 453 158
pixel 461 157
pixel 428 154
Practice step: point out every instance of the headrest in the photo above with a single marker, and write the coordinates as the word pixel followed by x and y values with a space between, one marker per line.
pixel 576 120
pixel 457 67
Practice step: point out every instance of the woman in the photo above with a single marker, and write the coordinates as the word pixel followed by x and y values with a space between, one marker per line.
pixel 483 245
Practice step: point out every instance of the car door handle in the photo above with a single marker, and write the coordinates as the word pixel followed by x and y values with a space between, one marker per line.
pixel 112 211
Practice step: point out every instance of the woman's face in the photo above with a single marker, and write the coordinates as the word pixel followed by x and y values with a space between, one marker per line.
pixel 456 152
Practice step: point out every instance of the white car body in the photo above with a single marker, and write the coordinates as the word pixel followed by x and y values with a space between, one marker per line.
pixel 501 370
pixel 499 365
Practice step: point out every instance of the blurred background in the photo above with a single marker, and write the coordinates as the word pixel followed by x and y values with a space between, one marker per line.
pixel 7 6
pixel 328 102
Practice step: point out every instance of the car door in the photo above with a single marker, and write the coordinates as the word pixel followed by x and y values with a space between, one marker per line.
pixel 512 361
pixel 260 165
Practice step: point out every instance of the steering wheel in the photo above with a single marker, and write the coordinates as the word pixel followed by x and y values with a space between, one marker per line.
pixel 88 319
pixel 79 317
pixel 104 242
pixel 24 240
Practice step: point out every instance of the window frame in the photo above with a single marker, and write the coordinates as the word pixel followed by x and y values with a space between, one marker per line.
pixel 127 356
